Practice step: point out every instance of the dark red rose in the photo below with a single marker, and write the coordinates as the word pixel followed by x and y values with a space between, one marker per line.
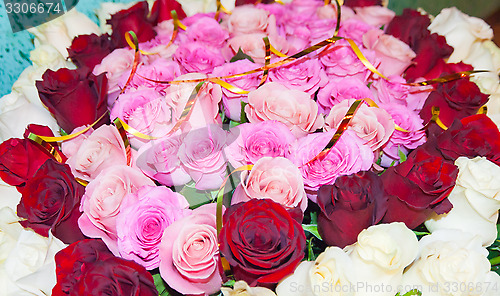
pixel 88 268
pixel 74 97
pixel 133 19
pixel 352 204
pixel 162 8
pixel 441 68
pixel 409 27
pixel 261 242
pixel 418 186
pixel 72 262
pixel 455 99
pixel 361 3
pixel 50 200
pixel 476 135
pixel 89 50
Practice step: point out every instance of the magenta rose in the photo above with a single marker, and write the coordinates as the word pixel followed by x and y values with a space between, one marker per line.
pixel 276 178
pixel 373 125
pixel 198 57
pixel 207 30
pixel 102 201
pixel 256 140
pixel 338 90
pixel 142 220
pixel 261 241
pixel 349 155
pixel 352 204
pixel 189 253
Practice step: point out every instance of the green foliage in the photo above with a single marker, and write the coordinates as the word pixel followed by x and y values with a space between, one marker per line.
pixel 240 55
pixel 160 285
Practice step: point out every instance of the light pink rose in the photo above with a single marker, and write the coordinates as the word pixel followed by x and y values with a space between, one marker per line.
pixel 159 160
pixel 102 200
pixel 201 154
pixel 395 55
pixel 230 100
pixel 159 69
pixel 116 64
pixel 146 111
pixel 306 75
pixel 298 40
pixel 376 16
pixel 395 91
pixel 70 147
pixel 247 19
pixel 349 155
pixel 268 138
pixel 253 45
pixel 299 13
pixel 340 61
pixel 373 125
pixel 294 108
pixel 408 120
pixel 100 150
pixel 207 31
pixel 158 47
pixel 321 29
pixel 338 90
pixel 198 57
pixel 143 217
pixel 276 178
pixel 189 253
pixel 355 29
pixel 206 108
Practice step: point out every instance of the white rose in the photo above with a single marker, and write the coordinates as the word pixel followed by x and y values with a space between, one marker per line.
pixel 494 108
pixel 27 265
pixel 47 56
pixel 380 256
pixel 241 288
pixel 331 274
pixel 451 262
pixel 461 31
pixel 192 7
pixel 14 122
pixel 475 199
pixel 10 197
pixel 60 31
pixel 107 9
pixel 12 101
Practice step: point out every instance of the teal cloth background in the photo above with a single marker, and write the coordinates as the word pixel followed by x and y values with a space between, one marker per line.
pixel 15 48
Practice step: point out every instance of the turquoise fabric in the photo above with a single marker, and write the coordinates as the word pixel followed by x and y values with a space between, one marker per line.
pixel 15 48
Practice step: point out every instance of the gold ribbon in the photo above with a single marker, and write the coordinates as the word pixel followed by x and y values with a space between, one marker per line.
pixel 137 56
pixel 447 78
pixel 267 60
pixel 120 126
pixel 49 147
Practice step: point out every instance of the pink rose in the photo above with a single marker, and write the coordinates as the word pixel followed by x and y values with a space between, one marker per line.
pixel 198 57
pixel 306 75
pixel 206 108
pixel 159 160
pixel 340 61
pixel 247 19
pixel 70 147
pixel 394 91
pixel 395 55
pixel 339 90
pixel 321 29
pixel 160 70
pixel 373 125
pixel 276 178
pixel 101 149
pixel 146 111
pixel 207 31
pixel 294 108
pixel 253 45
pixel 376 16
pixel 349 155
pixel 116 64
pixel 256 140
pixel 142 219
pixel 102 199
pixel 230 100
pixel 189 253
pixel 158 47
pixel 408 120
pixel 355 29
pixel 201 154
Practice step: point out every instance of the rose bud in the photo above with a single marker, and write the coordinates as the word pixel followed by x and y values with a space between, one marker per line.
pixel 89 50
pixel 133 19
pixel 352 204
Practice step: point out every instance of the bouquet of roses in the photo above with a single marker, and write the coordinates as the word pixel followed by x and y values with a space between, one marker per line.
pixel 302 148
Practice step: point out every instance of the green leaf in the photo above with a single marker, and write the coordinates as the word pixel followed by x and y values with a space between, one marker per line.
pixel 233 124
pixel 229 283
pixel 243 116
pixel 413 292
pixel 420 233
pixel 402 156
pixel 313 229
pixel 63 133
pixel 310 253
pixel 314 218
pixel 240 55
pixel 160 285
pixel 196 198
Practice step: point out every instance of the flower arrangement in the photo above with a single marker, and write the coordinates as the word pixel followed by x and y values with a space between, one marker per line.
pixel 302 148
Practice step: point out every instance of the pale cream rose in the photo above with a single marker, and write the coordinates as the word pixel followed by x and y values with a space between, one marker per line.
pixel 192 7
pixel 475 199
pixel 241 288
pixel 493 106
pixel 12 101
pixel 451 262
pixel 27 265
pixel 25 84
pixel 107 9
pixel 380 256
pixel 10 197
pixel 331 274
pixel 461 31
